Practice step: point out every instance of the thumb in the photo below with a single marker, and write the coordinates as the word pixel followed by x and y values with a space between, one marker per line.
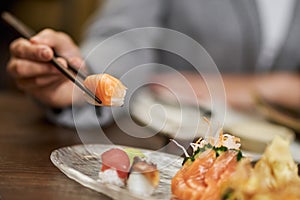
pixel 78 63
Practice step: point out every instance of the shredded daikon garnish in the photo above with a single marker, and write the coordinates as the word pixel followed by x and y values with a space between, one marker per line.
pixel 229 141
pixel 182 147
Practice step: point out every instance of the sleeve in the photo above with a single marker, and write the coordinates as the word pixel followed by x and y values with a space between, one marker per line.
pixel 107 50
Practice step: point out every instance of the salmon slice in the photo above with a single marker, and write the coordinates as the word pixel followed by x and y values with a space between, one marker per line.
pixel 223 167
pixel 202 178
pixel 220 165
pixel 189 182
pixel 107 88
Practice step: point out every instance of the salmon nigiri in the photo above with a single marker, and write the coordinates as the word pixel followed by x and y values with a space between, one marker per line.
pixel 107 88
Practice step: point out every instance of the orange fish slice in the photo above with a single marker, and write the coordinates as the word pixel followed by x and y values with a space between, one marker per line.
pixel 201 179
pixel 107 88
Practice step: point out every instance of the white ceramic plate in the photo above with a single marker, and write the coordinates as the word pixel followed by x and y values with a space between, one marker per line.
pixel 82 164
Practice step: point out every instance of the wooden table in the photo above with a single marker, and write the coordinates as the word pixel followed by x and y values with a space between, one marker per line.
pixel 26 142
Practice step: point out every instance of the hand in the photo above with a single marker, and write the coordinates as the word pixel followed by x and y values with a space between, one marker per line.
pixel 184 87
pixel 241 90
pixel 280 88
pixel 33 74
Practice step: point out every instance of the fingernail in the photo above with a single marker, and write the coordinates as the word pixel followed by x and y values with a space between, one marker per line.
pixel 35 40
pixel 76 62
pixel 45 54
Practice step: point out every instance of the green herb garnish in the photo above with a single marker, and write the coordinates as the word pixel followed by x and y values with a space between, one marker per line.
pixel 227 194
pixel 197 153
pixel 219 150
pixel 239 155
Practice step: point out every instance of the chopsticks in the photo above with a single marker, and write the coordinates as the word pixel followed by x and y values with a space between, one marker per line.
pixel 26 32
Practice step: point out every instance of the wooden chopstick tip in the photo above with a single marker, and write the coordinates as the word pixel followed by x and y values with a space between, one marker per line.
pixel 5 15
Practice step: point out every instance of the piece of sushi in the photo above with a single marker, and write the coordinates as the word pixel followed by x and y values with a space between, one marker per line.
pixel 143 177
pixel 107 88
pixel 132 153
pixel 115 167
pixel 212 162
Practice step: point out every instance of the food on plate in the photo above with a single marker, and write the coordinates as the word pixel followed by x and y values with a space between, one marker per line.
pixel 115 167
pixel 274 176
pixel 129 168
pixel 218 170
pixel 203 173
pixel 143 178
pixel 132 153
pixel 107 88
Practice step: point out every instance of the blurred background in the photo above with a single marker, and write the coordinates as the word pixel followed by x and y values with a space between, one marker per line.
pixel 70 16
pixel 63 15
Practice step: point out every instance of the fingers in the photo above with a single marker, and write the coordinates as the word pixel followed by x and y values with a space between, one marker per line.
pixel 30 75
pixel 76 62
pixel 28 79
pixel 22 48
pixel 61 42
pixel 21 68
pixel 79 64
pixel 29 57
pixel 39 48
pixel 31 84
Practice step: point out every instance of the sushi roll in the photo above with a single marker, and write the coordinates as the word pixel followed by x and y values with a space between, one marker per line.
pixel 143 178
pixel 107 88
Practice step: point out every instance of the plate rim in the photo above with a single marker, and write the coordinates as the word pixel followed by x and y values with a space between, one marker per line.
pixel 78 176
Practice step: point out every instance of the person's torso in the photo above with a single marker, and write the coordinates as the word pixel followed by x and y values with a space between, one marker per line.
pixel 230 32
